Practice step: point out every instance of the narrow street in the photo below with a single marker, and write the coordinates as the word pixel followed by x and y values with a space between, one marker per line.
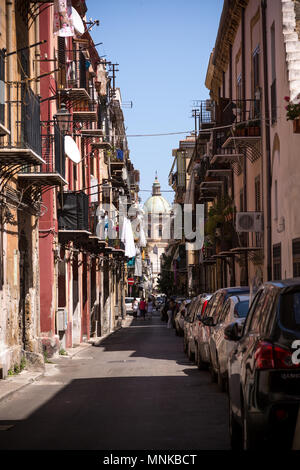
pixel 135 391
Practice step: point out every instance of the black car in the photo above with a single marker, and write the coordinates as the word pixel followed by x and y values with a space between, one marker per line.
pixel 264 370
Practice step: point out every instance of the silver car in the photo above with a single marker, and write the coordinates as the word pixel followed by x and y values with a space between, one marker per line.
pixel 180 316
pixel 234 310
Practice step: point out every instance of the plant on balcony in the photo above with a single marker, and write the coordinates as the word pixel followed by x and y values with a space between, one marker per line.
pixel 240 130
pixel 254 128
pixel 219 217
pixel 293 112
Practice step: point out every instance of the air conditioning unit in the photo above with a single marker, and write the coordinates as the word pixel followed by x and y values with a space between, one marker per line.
pixel 249 222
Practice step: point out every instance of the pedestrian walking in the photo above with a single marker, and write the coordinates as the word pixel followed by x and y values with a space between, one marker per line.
pixel 143 307
pixel 171 313
pixel 135 307
pixel 150 307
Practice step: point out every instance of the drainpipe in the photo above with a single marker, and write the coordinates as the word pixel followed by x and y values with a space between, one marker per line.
pixel 37 54
pixel 9 48
pixel 244 118
pixel 268 144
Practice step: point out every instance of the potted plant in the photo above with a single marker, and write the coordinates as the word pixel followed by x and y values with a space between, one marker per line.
pixel 240 130
pixel 293 112
pixel 254 128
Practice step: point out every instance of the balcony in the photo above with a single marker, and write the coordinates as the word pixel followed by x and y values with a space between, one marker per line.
pixel 84 111
pixel 101 142
pixel 23 146
pixel 245 133
pixel 77 86
pixel 73 216
pixel 52 172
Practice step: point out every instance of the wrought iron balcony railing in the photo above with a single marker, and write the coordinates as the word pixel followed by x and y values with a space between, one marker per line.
pixel 25 128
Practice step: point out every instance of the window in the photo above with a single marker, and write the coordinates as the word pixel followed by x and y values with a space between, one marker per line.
pixel 257 311
pixel 241 200
pixel 241 309
pixel 252 311
pixel 276 200
pixel 296 257
pixel 290 311
pixel 273 71
pixel 277 262
pixel 225 311
pixel 218 308
pixel 257 194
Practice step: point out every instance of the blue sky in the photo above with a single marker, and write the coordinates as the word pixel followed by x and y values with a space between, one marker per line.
pixel 162 48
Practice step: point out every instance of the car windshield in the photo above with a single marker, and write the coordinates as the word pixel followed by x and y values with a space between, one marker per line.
pixel 290 311
pixel 241 309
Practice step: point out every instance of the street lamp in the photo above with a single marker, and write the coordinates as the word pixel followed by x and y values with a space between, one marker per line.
pixel 63 119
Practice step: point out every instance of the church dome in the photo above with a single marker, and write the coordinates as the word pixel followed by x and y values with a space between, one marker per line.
pixel 157 204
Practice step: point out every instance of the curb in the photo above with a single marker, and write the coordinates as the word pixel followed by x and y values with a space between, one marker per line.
pixel 14 384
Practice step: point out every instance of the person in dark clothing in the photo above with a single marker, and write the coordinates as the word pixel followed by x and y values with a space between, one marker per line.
pixel 143 307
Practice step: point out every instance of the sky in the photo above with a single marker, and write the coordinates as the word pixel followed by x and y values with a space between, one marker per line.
pixel 162 48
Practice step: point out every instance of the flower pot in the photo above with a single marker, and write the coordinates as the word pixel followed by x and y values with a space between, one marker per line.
pixel 296 126
pixel 240 132
pixel 253 131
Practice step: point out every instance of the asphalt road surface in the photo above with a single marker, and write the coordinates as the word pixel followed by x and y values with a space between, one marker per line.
pixel 135 391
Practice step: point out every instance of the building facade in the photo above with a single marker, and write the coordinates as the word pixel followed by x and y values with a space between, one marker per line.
pixel 64 163
pixel 244 166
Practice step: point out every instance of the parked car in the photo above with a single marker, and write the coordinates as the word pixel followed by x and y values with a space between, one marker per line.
pixel 235 309
pixel 212 312
pixel 264 369
pixel 180 315
pixel 128 305
pixel 191 319
pixel 196 324
pixel 187 322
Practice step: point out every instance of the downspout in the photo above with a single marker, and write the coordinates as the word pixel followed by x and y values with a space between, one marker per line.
pixel 268 144
pixel 9 48
pixel 37 54
pixel 244 118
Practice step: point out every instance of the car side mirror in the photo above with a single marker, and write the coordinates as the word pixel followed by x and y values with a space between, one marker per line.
pixel 208 321
pixel 232 332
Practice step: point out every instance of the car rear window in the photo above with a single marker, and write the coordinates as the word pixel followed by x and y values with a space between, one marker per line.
pixel 290 311
pixel 241 309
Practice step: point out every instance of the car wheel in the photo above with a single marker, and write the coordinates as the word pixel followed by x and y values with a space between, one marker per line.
pixel 235 431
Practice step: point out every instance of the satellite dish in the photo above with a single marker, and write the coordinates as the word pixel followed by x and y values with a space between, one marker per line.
pixel 71 149
pixel 77 22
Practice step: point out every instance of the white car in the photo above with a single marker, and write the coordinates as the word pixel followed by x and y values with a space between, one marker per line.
pixel 235 310
pixel 128 304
